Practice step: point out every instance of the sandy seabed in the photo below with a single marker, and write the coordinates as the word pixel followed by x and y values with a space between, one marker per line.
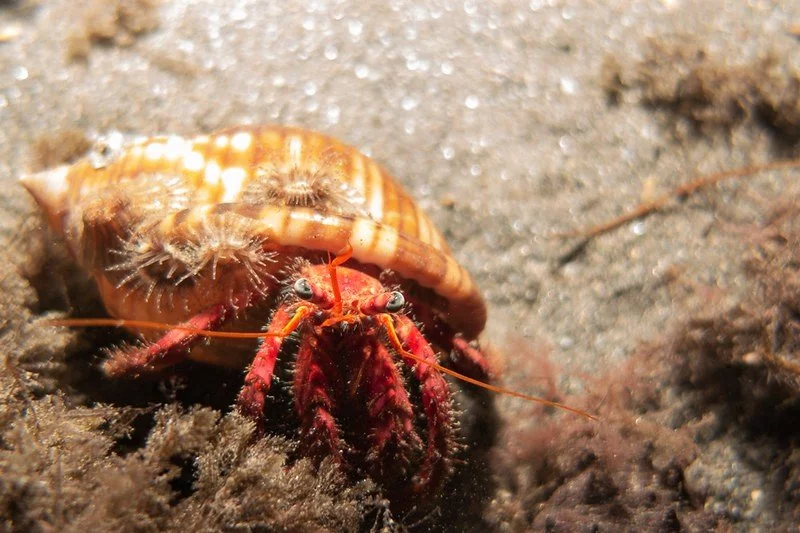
pixel 508 122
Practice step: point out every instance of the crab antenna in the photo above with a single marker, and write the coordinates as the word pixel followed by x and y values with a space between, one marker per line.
pixel 162 326
pixel 397 345
pixel 299 315
pixel 342 256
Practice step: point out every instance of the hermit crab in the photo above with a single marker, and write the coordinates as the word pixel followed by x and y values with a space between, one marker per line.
pixel 296 233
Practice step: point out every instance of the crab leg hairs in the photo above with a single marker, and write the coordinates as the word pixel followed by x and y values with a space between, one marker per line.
pixel 253 395
pixel 398 346
pixel 315 377
pixel 175 345
pixel 435 401
pixel 390 409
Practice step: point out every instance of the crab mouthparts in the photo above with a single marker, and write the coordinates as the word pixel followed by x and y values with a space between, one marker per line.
pixel 343 324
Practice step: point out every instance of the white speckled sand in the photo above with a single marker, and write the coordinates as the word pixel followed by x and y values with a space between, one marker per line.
pixel 491 114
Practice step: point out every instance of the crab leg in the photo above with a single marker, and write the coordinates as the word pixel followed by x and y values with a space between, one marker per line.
pixel 435 402
pixel 389 409
pixel 469 360
pixel 253 395
pixel 174 346
pixel 313 402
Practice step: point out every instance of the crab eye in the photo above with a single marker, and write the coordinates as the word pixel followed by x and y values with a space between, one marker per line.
pixel 396 302
pixel 302 288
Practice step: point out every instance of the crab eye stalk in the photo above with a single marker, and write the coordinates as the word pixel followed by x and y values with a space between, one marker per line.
pixel 303 290
pixel 395 302
pixel 385 302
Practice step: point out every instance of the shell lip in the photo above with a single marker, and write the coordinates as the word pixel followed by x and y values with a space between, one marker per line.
pixel 465 310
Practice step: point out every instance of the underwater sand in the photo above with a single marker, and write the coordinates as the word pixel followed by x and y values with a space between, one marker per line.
pixel 508 121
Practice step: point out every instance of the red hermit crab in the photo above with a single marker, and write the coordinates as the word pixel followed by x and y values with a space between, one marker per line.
pixel 234 231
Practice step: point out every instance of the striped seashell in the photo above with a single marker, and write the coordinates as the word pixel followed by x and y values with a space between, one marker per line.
pixel 148 218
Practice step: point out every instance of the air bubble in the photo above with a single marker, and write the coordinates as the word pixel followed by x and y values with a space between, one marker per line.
pixel 355 27
pixel 566 143
pixel 331 52
pixel 333 114
pixel 448 152
pixel 310 88
pixel 568 85
pixel 408 103
pixel 470 7
pixel 106 149
pixel 362 71
pixel 20 73
pixel 472 102
pixel 414 64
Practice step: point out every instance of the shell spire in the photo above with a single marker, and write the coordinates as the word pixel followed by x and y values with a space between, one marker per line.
pixel 50 190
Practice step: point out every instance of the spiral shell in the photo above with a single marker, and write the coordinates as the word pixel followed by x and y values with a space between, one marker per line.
pixel 245 196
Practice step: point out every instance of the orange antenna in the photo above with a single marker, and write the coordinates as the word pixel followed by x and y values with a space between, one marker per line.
pixel 295 321
pixel 299 315
pixel 341 257
pixel 397 345
pixel 162 326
